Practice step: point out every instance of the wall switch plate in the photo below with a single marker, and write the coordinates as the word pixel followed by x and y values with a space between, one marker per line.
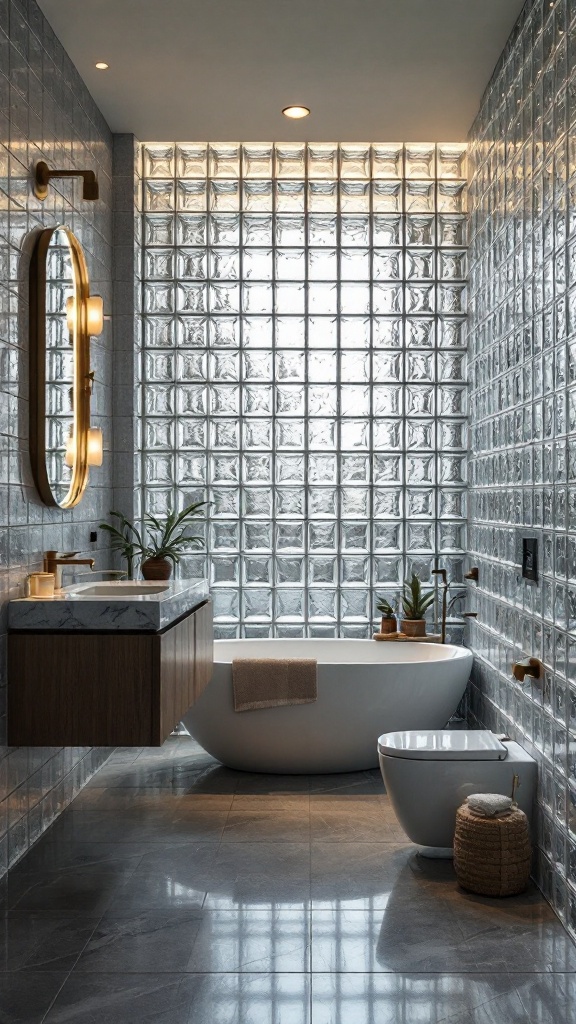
pixel 93 536
pixel 530 559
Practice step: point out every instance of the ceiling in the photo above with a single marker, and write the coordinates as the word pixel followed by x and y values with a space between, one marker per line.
pixel 370 70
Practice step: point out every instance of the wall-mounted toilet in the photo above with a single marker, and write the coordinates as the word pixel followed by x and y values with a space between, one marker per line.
pixel 429 774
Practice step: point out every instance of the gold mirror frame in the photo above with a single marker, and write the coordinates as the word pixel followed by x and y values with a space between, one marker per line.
pixel 82 378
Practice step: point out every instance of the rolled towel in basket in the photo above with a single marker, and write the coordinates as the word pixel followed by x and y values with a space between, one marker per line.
pixel 490 805
pixel 273 682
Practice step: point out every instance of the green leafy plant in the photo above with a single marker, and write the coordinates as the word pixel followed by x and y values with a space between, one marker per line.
pixel 414 601
pixel 385 608
pixel 168 538
pixel 125 539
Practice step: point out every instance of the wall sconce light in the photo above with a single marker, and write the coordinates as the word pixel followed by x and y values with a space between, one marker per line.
pixel 95 446
pixel 43 174
pixel 94 314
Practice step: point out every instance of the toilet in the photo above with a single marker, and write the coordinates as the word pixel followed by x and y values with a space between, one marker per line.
pixel 428 774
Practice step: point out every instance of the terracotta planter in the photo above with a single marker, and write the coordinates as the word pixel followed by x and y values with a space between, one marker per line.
pixel 388 625
pixel 156 568
pixel 413 627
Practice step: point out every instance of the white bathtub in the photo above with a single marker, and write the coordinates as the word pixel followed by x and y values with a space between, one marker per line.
pixel 365 688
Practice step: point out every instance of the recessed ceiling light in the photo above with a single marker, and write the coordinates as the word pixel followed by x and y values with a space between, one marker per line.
pixel 102 65
pixel 296 111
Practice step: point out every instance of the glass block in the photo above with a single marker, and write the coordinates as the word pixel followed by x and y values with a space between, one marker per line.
pixel 322 569
pixel 224 332
pixel 257 229
pixel 223 160
pixel 323 161
pixel 289 537
pixel 419 161
pixel 323 604
pixel 354 231
pixel 354 161
pixel 191 160
pixel 257 196
pixel 452 197
pixel 258 264
pixel 420 230
pixel 159 229
pixel 322 264
pixel 388 161
pixel 420 196
pixel 191 229
pixel 290 161
pixel 193 263
pixel 159 195
pixel 387 230
pixel 224 229
pixel 257 537
pixel 355 196
pixel 257 297
pixel 291 230
pixel 387 196
pixel 387 264
pixel 322 196
pixel 451 161
pixel 224 195
pixel 191 195
pixel 290 196
pixel 257 161
pixel 158 160
pixel 290 264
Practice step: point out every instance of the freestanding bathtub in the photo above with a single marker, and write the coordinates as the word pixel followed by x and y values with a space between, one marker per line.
pixel 365 688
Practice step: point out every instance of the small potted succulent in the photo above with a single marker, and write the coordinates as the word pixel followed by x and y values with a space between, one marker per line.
pixel 388 623
pixel 167 540
pixel 414 606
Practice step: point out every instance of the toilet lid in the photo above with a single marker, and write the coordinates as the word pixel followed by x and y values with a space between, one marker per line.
pixel 443 745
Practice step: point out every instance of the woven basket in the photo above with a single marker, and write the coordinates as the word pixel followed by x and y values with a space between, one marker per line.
pixel 492 856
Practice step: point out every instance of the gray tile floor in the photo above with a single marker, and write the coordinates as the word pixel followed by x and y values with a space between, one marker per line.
pixel 176 891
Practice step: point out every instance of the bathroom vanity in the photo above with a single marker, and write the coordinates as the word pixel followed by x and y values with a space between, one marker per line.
pixel 110 664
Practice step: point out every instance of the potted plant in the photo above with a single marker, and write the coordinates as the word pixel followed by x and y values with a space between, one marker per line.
pixel 388 623
pixel 126 539
pixel 414 606
pixel 167 540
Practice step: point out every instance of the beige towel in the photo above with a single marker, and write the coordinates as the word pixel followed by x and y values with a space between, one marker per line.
pixel 273 682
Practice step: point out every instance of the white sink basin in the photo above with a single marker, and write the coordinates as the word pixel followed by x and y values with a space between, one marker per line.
pixel 118 589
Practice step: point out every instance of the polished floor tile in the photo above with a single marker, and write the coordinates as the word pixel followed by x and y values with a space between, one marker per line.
pixel 177 891
pixel 26 996
pixel 182 999
pixel 199 941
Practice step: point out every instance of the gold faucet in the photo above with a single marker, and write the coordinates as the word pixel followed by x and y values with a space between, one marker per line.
pixel 53 562
pixel 444 577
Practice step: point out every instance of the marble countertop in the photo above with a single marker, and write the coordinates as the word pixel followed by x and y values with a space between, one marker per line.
pixel 69 610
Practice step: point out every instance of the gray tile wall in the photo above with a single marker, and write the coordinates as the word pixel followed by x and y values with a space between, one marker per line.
pixel 522 351
pixel 45 113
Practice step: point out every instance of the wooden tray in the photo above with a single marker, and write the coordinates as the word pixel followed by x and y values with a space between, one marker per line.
pixel 433 638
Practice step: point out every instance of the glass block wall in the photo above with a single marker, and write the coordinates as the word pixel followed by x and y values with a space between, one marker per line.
pixel 523 414
pixel 303 367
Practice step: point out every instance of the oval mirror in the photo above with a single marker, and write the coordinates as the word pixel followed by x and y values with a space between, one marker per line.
pixel 60 379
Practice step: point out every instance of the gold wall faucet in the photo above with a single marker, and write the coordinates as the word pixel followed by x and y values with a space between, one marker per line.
pixel 444 577
pixel 53 562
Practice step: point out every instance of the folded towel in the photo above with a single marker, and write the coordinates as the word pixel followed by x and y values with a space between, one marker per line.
pixel 273 682
pixel 489 805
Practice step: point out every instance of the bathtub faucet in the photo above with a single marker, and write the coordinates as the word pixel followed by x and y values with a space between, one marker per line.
pixel 444 577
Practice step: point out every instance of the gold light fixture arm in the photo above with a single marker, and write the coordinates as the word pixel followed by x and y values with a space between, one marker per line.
pixel 43 174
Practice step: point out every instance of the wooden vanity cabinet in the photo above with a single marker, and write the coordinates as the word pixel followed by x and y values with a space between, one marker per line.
pixel 106 689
